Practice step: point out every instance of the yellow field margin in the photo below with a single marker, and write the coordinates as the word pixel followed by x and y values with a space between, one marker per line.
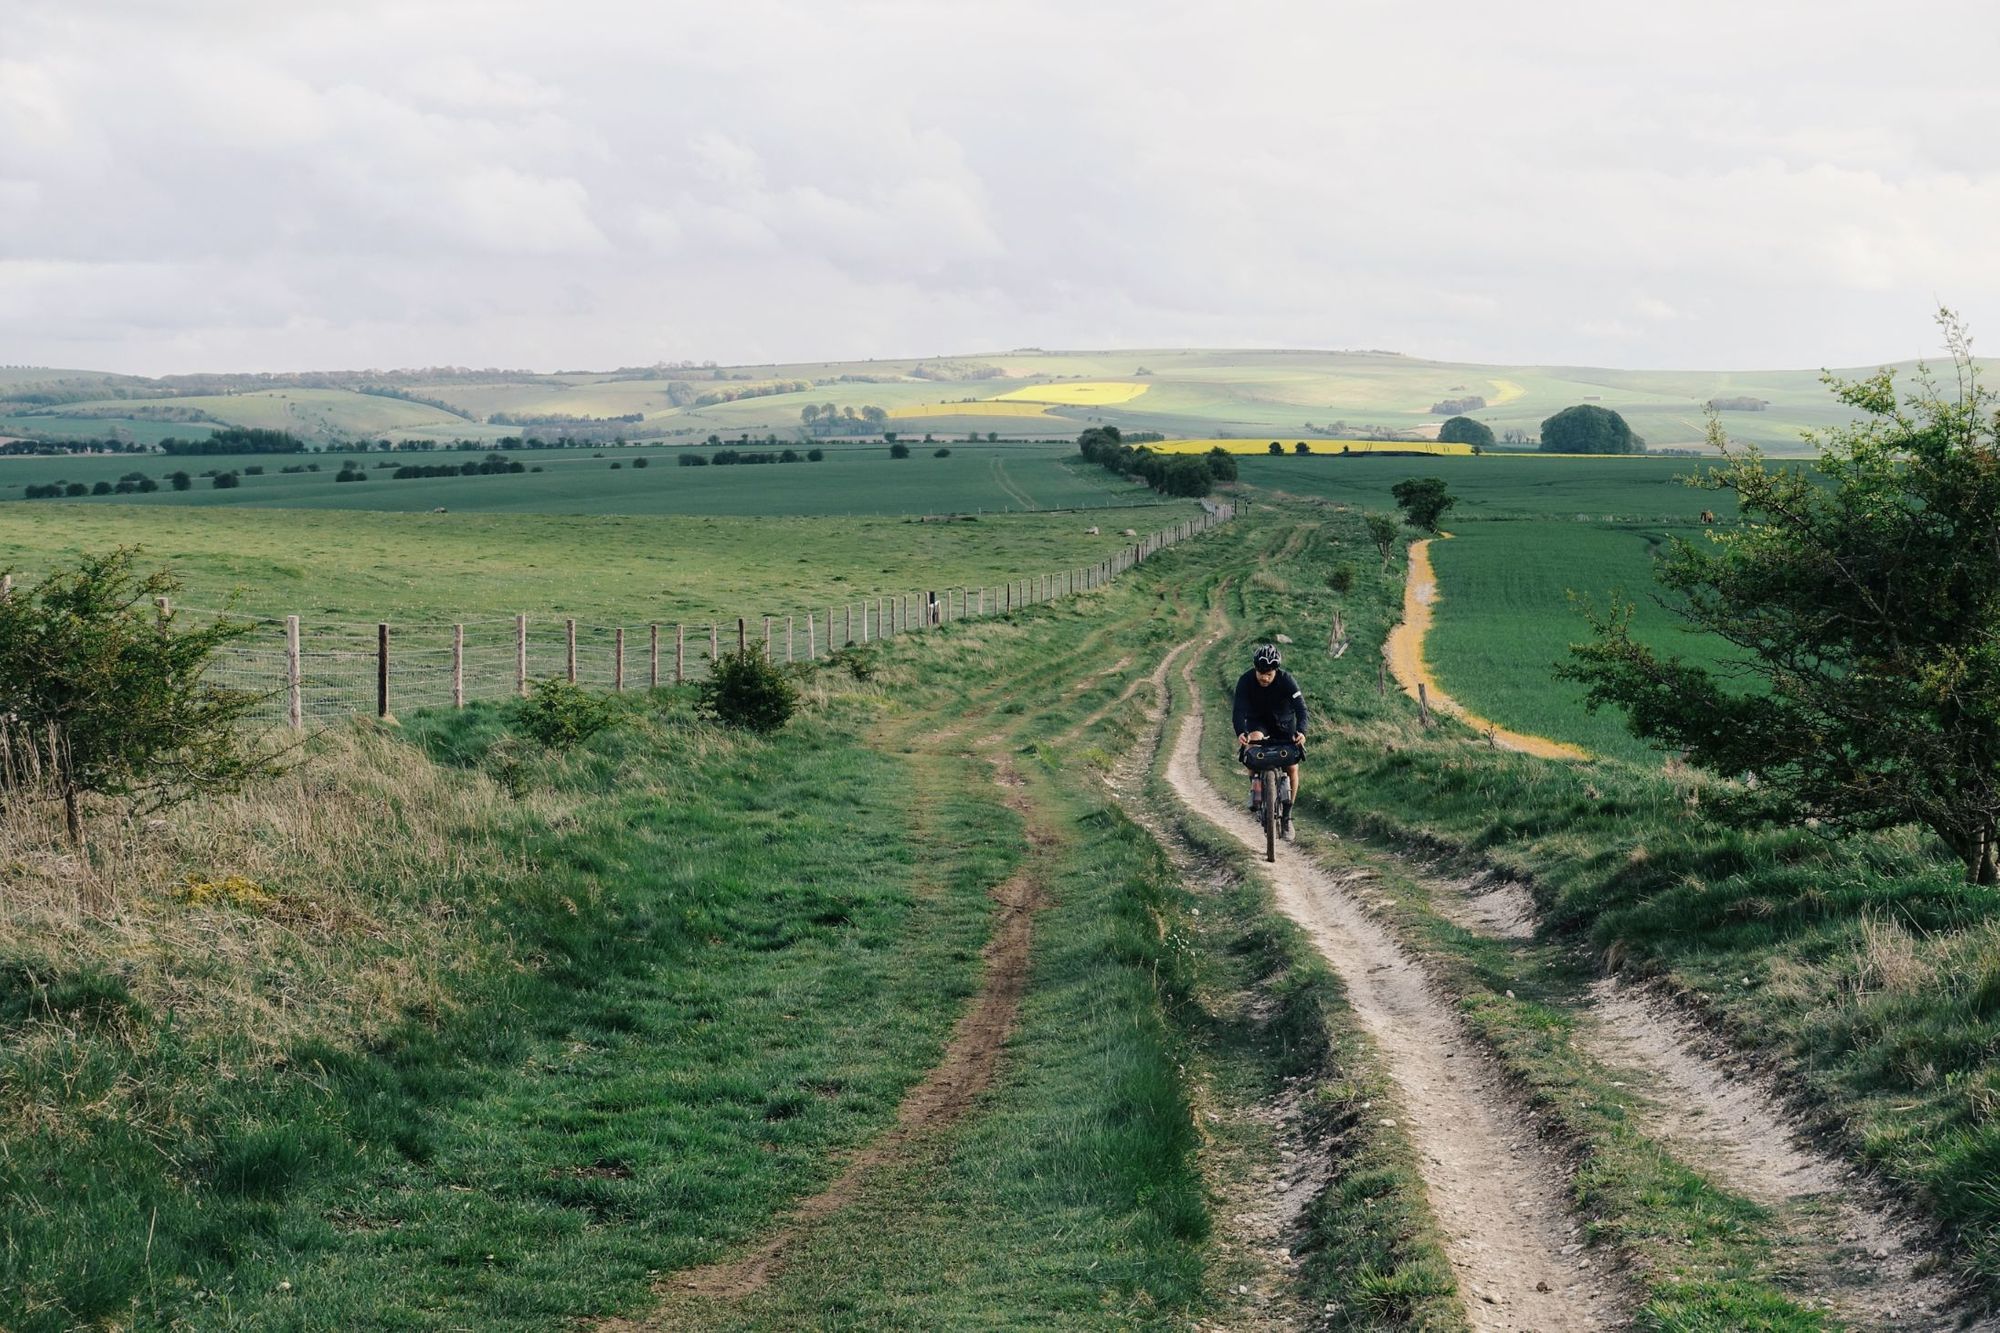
pixel 1505 391
pixel 1405 650
pixel 982 409
pixel 1313 446
pixel 1088 393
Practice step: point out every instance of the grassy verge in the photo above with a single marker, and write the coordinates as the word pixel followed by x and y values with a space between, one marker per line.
pixel 704 965
pixel 1858 967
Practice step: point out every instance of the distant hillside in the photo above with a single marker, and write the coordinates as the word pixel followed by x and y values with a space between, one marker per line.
pixel 1181 393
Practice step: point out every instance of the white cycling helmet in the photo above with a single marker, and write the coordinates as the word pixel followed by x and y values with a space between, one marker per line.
pixel 1266 657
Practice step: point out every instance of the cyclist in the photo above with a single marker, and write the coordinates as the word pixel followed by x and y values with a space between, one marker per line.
pixel 1269 704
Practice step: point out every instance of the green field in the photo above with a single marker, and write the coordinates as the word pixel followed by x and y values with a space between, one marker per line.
pixel 445 567
pixel 1188 393
pixel 853 479
pixel 1505 486
pixel 1505 620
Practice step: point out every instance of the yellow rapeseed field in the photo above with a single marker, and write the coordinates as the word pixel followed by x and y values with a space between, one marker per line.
pixel 1088 393
pixel 1312 446
pixel 986 409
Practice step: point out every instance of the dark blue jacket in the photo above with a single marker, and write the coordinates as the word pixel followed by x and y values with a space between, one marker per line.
pixel 1278 708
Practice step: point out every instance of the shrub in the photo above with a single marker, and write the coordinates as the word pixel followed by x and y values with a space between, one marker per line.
pixel 940 453
pixel 748 690
pixel 226 481
pixel 899 450
pixel 101 488
pixel 558 715
pixel 1221 464
pixel 815 455
pixel 1423 501
pixel 1341 579
pixel 180 481
pixel 640 462
pixel 1275 448
pixel 76 488
pixel 101 699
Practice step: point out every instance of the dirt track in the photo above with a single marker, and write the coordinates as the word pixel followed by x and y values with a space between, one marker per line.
pixel 1512 1239
pixel 1405 651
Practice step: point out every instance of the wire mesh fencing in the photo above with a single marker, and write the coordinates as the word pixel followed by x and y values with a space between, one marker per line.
pixel 309 671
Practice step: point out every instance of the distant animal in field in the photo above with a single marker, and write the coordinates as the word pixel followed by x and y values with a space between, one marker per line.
pixel 439 510
pixel 1091 531
pixel 1708 516
pixel 1129 532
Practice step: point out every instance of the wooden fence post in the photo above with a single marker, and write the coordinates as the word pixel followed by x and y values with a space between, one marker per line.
pixel 714 646
pixel 653 674
pixel 742 637
pixel 849 636
pixel 165 606
pixel 618 659
pixel 6 586
pixel 680 653
pixel 810 636
pixel 458 666
pixel 382 670
pixel 521 655
pixel 767 638
pixel 1423 704
pixel 789 655
pixel 294 700
pixel 569 638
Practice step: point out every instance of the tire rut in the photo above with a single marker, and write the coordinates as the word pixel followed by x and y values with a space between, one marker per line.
pixel 1512 1239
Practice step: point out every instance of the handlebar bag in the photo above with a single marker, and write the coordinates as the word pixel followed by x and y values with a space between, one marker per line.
pixel 1272 754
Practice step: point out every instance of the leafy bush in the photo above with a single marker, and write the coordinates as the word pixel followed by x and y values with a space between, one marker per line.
pixel 1341 579
pixel 639 462
pixel 748 690
pixel 99 698
pixel 940 453
pixel 899 450
pixel 559 715
pixel 1464 430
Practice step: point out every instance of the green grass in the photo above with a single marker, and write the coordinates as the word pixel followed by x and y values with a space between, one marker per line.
pixel 1857 967
pixel 447 567
pixel 1593 490
pixel 1505 620
pixel 853 479
pixel 719 969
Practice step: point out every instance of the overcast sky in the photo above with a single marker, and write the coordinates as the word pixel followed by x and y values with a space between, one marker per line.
pixel 241 185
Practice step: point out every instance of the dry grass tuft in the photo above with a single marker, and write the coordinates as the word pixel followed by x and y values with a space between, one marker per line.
pixel 325 902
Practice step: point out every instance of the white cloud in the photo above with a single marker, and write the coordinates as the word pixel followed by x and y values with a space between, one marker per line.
pixel 219 182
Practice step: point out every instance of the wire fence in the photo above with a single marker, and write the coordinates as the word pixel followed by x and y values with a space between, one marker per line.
pixel 309 672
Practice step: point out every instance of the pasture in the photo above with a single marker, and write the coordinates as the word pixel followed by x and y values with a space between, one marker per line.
pixel 445 567
pixel 1314 446
pixel 853 479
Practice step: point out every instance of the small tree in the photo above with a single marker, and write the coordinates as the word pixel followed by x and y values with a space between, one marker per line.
pixel 748 690
pixel 940 453
pixel 180 481
pixel 99 698
pixel 1221 464
pixel 1423 501
pixel 1385 532
pixel 1464 430
pixel 1276 449
pixel 558 715
pixel 899 450
pixel 1864 602
pixel 1301 448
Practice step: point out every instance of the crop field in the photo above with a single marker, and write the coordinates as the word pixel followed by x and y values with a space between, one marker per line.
pixel 853 479
pixel 1505 617
pixel 1100 393
pixel 1594 490
pixel 1185 393
pixel 1314 446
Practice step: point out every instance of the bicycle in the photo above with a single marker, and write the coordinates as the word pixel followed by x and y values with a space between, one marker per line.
pixel 1266 759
